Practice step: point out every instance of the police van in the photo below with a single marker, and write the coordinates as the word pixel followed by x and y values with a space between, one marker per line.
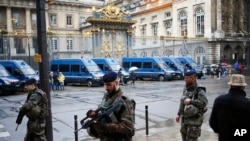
pixel 149 67
pixel 175 65
pixel 191 65
pixel 8 83
pixel 111 64
pixel 80 71
pixel 21 70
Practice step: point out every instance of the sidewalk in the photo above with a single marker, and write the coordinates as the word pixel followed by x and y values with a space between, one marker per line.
pixel 170 132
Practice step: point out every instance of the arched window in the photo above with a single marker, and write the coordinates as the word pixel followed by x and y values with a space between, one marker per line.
pixel 199 13
pixel 183 23
pixel 155 53
pixel 144 54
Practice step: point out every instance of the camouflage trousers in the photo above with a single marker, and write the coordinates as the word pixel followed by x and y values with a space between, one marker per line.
pixel 35 131
pixel 190 132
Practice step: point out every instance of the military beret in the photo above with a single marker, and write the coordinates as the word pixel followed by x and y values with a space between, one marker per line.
pixel 109 76
pixel 189 73
pixel 30 81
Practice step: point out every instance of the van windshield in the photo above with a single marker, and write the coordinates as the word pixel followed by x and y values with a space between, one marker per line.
pixel 94 69
pixel 163 65
pixel 4 73
pixel 177 63
pixel 115 67
pixel 28 71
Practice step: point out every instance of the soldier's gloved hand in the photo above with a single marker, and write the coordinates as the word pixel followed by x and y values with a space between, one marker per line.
pixel 91 113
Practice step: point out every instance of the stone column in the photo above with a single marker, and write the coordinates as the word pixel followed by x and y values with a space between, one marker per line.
pixel 9 19
pixel 10 30
pixel 242 17
pixel 28 20
pixel 230 16
pixel 219 33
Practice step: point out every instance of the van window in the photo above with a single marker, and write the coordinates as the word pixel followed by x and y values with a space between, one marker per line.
pixel 64 68
pixel 125 64
pixel 17 72
pixel 147 64
pixel 54 68
pixel 9 69
pixel 136 64
pixel 100 66
pixel 75 68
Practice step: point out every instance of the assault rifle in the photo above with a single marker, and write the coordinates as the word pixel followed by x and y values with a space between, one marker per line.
pixel 19 119
pixel 104 115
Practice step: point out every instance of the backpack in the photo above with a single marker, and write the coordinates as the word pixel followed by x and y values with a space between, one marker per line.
pixel 131 104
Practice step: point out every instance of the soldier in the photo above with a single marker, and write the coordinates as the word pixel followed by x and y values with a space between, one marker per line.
pixel 35 108
pixel 231 112
pixel 192 107
pixel 123 128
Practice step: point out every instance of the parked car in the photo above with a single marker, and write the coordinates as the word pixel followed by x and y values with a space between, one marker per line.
pixel 8 83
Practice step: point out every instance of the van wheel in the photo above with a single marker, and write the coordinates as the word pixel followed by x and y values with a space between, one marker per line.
pixel 89 83
pixel 1 91
pixel 161 78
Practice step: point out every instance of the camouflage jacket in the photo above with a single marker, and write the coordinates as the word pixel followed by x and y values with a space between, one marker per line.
pixel 198 101
pixel 36 105
pixel 124 127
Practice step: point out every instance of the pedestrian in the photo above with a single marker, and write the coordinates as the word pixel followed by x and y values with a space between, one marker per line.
pixel 132 77
pixel 122 129
pixel 51 81
pixel 192 108
pixel 120 76
pixel 231 111
pixel 55 79
pixel 61 79
pixel 204 72
pixel 36 109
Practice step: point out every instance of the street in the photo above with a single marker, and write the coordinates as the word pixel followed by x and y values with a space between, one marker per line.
pixel 162 99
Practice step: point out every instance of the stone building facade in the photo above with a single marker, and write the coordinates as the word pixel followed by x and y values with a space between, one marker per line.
pixel 210 31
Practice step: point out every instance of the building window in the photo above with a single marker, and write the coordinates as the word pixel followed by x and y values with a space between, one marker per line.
pixel 82 21
pixel 54 44
pixel 69 20
pixel 1 18
pixel 18 43
pixel 183 23
pixel 167 15
pixel 199 22
pixel 16 20
pixel 33 18
pixel 69 44
pixel 52 19
pixel 143 33
pixel 168 25
pixel 142 20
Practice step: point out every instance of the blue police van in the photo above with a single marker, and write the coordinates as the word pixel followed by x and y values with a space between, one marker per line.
pixel 8 84
pixel 190 64
pixel 21 70
pixel 111 64
pixel 149 67
pixel 80 71
pixel 173 63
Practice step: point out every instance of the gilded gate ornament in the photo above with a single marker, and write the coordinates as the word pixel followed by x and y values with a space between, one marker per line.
pixel 110 11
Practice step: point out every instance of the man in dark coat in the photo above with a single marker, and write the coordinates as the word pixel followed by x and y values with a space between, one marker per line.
pixel 231 112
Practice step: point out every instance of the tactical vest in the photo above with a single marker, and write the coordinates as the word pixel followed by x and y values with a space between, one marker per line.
pixel 191 110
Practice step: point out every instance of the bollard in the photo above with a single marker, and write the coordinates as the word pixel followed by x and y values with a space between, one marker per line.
pixel 76 128
pixel 146 115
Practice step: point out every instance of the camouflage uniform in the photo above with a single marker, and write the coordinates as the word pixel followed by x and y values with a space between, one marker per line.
pixel 123 129
pixel 35 108
pixel 192 114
